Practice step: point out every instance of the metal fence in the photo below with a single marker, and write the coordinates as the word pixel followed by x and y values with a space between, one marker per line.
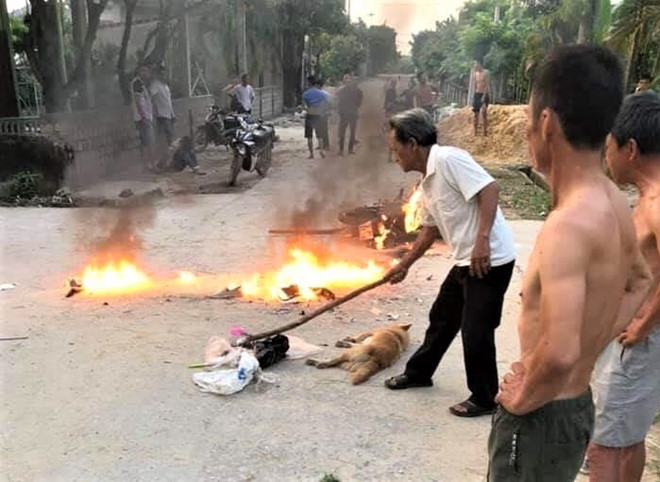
pixel 26 126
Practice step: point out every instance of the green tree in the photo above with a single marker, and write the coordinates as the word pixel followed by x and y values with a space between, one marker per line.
pixel 43 52
pixel 297 19
pixel 635 33
pixel 344 56
pixel 382 48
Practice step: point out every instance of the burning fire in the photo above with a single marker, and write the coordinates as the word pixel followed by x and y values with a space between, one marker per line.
pixel 307 271
pixel 413 212
pixel 120 277
pixel 379 240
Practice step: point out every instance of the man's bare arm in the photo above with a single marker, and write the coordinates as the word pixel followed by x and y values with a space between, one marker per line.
pixel 564 259
pixel 637 289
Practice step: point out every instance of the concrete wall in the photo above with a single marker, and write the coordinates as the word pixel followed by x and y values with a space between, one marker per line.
pixel 105 142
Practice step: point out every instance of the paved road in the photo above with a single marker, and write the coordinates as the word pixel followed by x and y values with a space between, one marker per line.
pixel 102 392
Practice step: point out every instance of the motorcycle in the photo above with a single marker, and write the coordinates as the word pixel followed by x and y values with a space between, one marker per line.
pixel 218 129
pixel 252 147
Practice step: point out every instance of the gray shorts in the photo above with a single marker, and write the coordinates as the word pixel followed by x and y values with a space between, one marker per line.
pixel 145 132
pixel 626 384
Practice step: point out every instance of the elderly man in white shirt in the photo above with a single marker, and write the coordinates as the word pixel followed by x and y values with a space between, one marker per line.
pixel 460 203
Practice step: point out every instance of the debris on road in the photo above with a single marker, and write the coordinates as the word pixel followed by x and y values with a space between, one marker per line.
pixel 75 287
pixel 7 286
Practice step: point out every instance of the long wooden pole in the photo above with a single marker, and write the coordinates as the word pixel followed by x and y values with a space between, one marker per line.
pixel 319 311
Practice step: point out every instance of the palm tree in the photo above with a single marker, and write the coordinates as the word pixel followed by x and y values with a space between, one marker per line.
pixel 635 33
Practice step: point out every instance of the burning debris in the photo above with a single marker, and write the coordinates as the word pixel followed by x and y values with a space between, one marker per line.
pixel 386 225
pixel 306 277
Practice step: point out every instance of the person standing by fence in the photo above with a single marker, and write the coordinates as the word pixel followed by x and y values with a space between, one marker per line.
pixel 143 114
pixel 161 99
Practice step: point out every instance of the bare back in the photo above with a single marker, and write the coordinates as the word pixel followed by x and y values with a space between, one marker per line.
pixel 592 229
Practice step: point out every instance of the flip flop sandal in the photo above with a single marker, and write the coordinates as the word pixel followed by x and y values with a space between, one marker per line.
pixel 471 410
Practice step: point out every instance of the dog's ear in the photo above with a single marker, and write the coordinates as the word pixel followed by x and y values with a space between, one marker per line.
pixel 405 326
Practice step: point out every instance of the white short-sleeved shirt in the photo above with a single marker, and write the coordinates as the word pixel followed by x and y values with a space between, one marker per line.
pixel 161 99
pixel 453 179
pixel 245 95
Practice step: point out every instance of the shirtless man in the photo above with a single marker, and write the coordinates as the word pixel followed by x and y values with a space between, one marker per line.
pixel 480 100
pixel 585 278
pixel 626 382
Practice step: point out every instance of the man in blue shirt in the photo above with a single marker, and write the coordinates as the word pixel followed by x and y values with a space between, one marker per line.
pixel 316 103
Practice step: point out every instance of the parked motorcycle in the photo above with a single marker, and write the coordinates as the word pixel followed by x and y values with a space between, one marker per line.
pixel 218 129
pixel 252 147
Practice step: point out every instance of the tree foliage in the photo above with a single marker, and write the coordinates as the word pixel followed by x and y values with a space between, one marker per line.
pixel 344 55
pixel 511 36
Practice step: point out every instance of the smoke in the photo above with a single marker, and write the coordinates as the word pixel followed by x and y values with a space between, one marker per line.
pixel 121 229
pixel 342 182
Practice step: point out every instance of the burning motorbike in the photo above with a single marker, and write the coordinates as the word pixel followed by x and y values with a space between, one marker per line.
pixel 218 129
pixel 252 146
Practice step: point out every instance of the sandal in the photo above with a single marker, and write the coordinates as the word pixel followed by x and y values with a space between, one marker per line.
pixel 471 409
pixel 401 382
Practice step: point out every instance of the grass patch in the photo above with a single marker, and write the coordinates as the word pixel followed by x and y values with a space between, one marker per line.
pixel 520 198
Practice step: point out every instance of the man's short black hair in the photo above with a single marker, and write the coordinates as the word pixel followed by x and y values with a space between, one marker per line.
pixel 583 85
pixel 639 119
pixel 414 124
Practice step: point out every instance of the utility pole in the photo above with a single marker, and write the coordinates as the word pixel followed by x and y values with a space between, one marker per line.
pixel 8 99
pixel 60 47
pixel 241 37
pixel 79 23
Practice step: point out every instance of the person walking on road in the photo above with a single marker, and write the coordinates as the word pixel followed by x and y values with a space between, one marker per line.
pixel 316 103
pixel 349 101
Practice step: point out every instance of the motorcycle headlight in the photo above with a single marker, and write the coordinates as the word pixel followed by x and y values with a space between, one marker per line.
pixel 242 150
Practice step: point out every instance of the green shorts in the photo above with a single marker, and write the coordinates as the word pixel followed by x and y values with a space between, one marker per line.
pixel 547 444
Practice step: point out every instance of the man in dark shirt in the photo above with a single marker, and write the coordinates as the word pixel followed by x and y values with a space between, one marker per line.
pixel 349 100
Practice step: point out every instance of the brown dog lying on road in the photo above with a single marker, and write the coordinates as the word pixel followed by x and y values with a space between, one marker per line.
pixel 369 352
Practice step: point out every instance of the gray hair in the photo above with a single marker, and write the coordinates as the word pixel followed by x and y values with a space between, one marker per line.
pixel 414 124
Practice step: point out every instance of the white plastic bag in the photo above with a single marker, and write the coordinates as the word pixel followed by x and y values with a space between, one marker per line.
pixel 299 348
pixel 229 380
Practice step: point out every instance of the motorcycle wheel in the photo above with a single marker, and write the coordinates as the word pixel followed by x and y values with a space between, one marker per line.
pixel 265 158
pixel 201 140
pixel 235 169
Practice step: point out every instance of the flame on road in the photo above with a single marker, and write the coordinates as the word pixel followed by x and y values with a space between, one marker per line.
pixel 308 271
pixel 120 277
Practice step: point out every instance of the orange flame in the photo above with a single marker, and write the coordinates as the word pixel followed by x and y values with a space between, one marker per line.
pixel 307 271
pixel 114 278
pixel 413 212
pixel 186 277
pixel 379 240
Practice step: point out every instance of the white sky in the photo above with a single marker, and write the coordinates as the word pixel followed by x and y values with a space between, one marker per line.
pixel 15 4
pixel 406 16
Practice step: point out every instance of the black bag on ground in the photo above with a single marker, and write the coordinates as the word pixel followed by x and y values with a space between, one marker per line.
pixel 271 350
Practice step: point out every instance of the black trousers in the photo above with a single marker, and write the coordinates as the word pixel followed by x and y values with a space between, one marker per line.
pixel 344 122
pixel 474 306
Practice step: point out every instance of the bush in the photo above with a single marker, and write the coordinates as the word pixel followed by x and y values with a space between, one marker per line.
pixel 24 185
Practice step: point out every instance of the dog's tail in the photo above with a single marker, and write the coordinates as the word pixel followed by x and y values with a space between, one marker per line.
pixel 364 371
